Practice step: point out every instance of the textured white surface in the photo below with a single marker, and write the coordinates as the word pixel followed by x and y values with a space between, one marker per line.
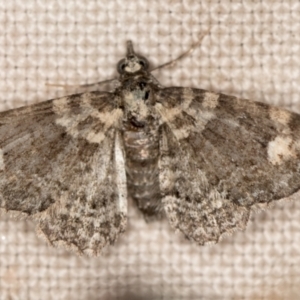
pixel 252 51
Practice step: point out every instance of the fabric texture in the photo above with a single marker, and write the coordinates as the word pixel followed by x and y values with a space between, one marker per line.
pixel 251 51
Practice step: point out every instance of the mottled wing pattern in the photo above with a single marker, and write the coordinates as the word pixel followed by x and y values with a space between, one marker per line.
pixel 61 161
pixel 222 156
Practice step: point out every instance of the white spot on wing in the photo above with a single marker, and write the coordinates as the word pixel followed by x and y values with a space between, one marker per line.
pixel 280 150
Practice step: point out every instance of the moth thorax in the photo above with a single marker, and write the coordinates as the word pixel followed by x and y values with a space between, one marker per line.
pixel 136 105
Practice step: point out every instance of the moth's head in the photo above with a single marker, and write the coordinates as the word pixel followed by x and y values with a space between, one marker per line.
pixel 132 63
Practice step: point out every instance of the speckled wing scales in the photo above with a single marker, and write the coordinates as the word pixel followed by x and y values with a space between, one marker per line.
pixel 204 159
pixel 221 157
pixel 61 162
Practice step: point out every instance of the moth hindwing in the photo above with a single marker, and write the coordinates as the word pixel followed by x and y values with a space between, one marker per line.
pixel 201 159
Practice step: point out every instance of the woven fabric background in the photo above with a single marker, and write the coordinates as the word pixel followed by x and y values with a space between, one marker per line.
pixel 252 51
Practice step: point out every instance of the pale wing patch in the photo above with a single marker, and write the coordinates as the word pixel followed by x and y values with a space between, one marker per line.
pixel 166 174
pixel 210 100
pixel 200 120
pixel 61 106
pixel 70 120
pixel 95 137
pixel 109 119
pixel 2 165
pixel 168 114
pixel 281 119
pixel 280 115
pixel 120 176
pixel 188 97
pixel 280 150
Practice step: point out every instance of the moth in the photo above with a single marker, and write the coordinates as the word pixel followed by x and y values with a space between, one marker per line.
pixel 203 160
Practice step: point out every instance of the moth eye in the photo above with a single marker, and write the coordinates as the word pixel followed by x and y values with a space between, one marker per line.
pixel 121 66
pixel 144 63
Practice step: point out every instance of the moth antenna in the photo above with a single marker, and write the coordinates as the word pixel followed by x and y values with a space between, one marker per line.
pixel 183 55
pixel 87 85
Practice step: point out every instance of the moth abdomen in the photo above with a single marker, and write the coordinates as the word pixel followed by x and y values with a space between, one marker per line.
pixel 142 155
